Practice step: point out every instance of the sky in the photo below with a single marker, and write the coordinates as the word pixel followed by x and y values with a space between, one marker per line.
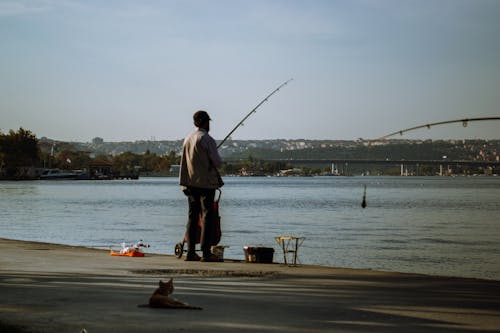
pixel 128 70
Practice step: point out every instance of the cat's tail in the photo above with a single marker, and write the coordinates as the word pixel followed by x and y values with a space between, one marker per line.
pixel 185 307
pixel 195 308
pixel 189 307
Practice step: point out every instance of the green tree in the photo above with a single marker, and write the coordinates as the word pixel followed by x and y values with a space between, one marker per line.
pixel 126 162
pixel 18 150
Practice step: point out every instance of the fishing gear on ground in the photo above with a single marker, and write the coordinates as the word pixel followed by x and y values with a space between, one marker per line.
pixel 131 250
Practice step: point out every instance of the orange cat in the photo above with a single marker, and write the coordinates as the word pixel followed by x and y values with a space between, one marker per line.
pixel 161 298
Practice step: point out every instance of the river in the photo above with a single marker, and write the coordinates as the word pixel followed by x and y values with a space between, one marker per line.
pixel 431 225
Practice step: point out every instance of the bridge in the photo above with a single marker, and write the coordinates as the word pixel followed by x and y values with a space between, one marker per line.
pixel 444 165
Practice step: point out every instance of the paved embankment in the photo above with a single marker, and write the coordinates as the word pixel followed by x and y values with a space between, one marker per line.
pixel 55 288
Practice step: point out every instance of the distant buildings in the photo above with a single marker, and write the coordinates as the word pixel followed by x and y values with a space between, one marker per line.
pixel 474 150
pixel 97 141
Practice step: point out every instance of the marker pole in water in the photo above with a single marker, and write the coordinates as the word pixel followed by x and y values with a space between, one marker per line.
pixel 363 203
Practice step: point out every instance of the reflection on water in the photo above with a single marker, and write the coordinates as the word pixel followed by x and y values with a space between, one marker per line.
pixel 438 225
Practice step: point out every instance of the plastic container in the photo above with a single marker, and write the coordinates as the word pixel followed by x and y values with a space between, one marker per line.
pixel 259 254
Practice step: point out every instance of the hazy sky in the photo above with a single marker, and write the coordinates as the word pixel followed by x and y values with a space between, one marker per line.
pixel 133 70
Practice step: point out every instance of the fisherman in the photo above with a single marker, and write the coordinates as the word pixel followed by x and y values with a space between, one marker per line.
pixel 199 179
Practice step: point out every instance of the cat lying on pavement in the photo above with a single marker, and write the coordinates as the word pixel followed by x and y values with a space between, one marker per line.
pixel 161 298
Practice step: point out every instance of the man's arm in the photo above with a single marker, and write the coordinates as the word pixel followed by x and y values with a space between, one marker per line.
pixel 211 148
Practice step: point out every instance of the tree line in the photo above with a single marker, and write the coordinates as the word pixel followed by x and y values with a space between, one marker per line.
pixel 23 156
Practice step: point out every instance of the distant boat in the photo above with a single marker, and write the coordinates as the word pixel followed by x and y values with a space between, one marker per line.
pixel 54 174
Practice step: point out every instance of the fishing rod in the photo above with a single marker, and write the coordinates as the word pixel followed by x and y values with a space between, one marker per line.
pixel 254 110
pixel 464 122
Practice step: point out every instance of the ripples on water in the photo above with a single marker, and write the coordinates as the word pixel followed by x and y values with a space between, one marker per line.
pixel 437 225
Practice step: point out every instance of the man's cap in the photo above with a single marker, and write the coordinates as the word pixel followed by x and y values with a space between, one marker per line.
pixel 200 117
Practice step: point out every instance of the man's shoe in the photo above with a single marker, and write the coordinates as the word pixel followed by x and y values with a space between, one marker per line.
pixel 210 258
pixel 192 257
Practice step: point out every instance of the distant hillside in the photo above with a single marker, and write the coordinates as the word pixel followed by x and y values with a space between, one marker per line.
pixel 488 150
pixel 392 150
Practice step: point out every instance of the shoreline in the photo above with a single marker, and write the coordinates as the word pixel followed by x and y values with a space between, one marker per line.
pixel 59 288
pixel 242 261
pixel 175 262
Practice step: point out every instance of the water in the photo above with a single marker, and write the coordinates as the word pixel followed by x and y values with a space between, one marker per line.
pixel 436 225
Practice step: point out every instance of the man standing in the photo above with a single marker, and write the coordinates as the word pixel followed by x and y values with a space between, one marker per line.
pixel 199 179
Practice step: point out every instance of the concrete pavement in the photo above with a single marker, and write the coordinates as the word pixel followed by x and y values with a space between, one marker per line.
pixel 56 288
